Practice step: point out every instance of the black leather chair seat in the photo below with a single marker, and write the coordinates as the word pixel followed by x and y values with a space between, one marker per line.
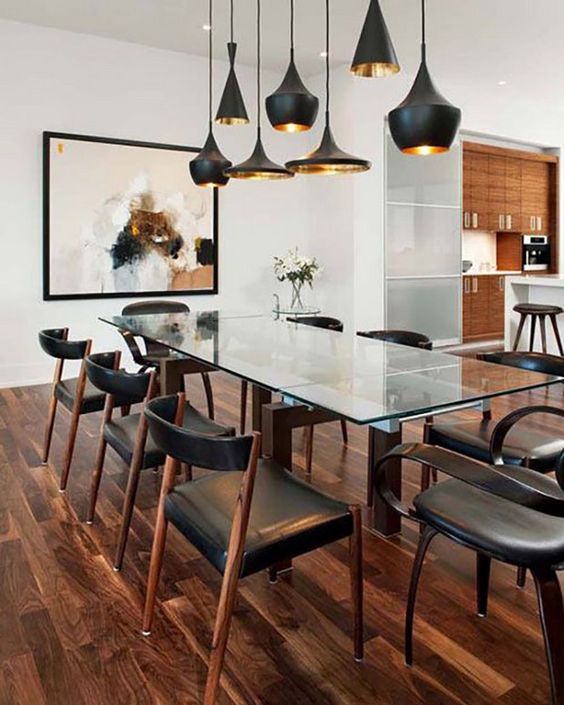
pixel 288 517
pixel 496 526
pixel 120 434
pixel 93 399
pixel 472 438
pixel 542 309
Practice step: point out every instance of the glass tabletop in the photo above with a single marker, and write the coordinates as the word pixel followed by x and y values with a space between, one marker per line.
pixel 360 379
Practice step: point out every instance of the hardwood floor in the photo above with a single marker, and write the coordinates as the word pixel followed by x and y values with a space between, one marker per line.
pixel 70 626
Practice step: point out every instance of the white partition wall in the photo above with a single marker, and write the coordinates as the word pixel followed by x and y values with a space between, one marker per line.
pixel 423 243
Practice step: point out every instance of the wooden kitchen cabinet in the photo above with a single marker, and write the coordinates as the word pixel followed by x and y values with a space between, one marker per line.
pixel 475 197
pixel 483 302
pixel 536 193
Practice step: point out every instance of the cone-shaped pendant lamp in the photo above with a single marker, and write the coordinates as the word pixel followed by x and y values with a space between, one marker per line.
pixel 292 108
pixel 258 166
pixel 328 158
pixel 425 123
pixel 375 55
pixel 232 109
pixel 207 169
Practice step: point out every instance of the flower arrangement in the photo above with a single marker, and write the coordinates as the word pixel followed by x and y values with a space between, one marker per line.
pixel 298 271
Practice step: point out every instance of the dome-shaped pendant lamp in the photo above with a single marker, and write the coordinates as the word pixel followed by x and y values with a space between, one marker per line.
pixel 208 168
pixel 231 110
pixel 292 108
pixel 425 123
pixel 328 158
pixel 258 166
pixel 375 55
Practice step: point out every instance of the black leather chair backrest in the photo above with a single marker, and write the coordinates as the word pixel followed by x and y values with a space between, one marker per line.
pixel 400 337
pixel 128 388
pixel 319 322
pixel 536 362
pixel 141 308
pixel 53 342
pixel 212 453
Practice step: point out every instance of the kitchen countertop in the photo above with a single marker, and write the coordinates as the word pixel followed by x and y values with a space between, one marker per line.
pixel 554 280
pixel 492 272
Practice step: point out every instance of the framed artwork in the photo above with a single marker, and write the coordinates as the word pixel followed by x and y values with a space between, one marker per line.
pixel 123 219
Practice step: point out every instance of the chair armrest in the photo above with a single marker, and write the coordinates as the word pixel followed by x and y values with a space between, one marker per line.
pixel 496 480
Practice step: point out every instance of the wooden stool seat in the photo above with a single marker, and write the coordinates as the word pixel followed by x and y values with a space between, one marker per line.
pixel 540 311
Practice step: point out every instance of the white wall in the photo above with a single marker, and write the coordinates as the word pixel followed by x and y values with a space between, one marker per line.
pixel 60 81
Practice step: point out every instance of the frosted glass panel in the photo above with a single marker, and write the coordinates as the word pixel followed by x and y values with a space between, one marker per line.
pixel 429 306
pixel 435 179
pixel 422 240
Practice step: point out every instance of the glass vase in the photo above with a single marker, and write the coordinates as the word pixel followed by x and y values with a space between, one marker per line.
pixel 297 303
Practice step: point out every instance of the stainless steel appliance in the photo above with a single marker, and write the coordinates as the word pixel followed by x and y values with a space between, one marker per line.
pixel 536 253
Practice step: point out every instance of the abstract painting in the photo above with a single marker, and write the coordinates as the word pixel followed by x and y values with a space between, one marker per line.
pixel 124 219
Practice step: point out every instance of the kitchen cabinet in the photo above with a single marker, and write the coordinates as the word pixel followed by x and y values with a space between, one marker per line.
pixel 483 300
pixel 506 190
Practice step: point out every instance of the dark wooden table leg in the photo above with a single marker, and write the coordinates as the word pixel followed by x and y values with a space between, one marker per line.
pixel 385 520
pixel 260 398
pixel 171 374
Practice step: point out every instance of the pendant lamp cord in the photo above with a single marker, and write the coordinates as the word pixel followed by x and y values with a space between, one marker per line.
pixel 327 62
pixel 210 71
pixel 423 43
pixel 258 67
pixel 231 21
pixel 292 28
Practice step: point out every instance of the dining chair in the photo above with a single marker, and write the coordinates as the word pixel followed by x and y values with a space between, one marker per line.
pixel 411 339
pixel 399 337
pixel 508 513
pixel 156 352
pixel 327 323
pixel 128 435
pixel 244 517
pixel 77 395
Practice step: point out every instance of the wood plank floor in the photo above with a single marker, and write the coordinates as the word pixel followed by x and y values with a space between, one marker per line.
pixel 70 626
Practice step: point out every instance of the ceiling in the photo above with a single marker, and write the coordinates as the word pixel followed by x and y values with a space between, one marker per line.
pixel 469 40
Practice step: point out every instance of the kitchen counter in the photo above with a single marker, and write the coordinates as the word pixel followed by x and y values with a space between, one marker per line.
pixel 538 289
pixel 491 273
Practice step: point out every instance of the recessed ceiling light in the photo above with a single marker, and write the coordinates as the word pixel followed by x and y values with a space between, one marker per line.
pixel 502 83
pixel 322 54
pixel 206 27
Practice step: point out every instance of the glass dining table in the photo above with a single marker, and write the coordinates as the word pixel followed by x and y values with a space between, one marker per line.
pixel 325 375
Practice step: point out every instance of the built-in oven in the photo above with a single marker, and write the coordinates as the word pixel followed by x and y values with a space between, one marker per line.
pixel 536 253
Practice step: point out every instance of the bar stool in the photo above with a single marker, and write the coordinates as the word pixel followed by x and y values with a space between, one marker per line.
pixel 540 311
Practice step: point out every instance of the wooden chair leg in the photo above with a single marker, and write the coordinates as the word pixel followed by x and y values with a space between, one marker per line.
pixel 125 410
pixel 519 331
pixel 344 431
pixel 556 333
pixel 128 507
pixel 521 577
pixel 221 632
pixel 96 478
pixel 357 583
pixel 308 449
pixel 49 428
pixel 209 394
pixel 425 539
pixel 483 567
pixel 75 418
pixel 532 333
pixel 155 566
pixel 551 610
pixel 542 322
pixel 243 409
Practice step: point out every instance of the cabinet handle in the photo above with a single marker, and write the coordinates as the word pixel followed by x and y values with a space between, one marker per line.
pixel 466 220
pixel 474 220
pixel 501 222
pixel 539 223
pixel 475 285
pixel 501 283
pixel 508 221
pixel 532 222
pixel 465 284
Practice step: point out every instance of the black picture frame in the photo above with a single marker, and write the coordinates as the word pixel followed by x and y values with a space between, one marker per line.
pixel 47 295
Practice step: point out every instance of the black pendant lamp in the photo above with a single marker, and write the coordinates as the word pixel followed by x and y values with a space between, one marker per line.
pixel 207 169
pixel 232 109
pixel 328 158
pixel 375 55
pixel 425 123
pixel 258 166
pixel 292 108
